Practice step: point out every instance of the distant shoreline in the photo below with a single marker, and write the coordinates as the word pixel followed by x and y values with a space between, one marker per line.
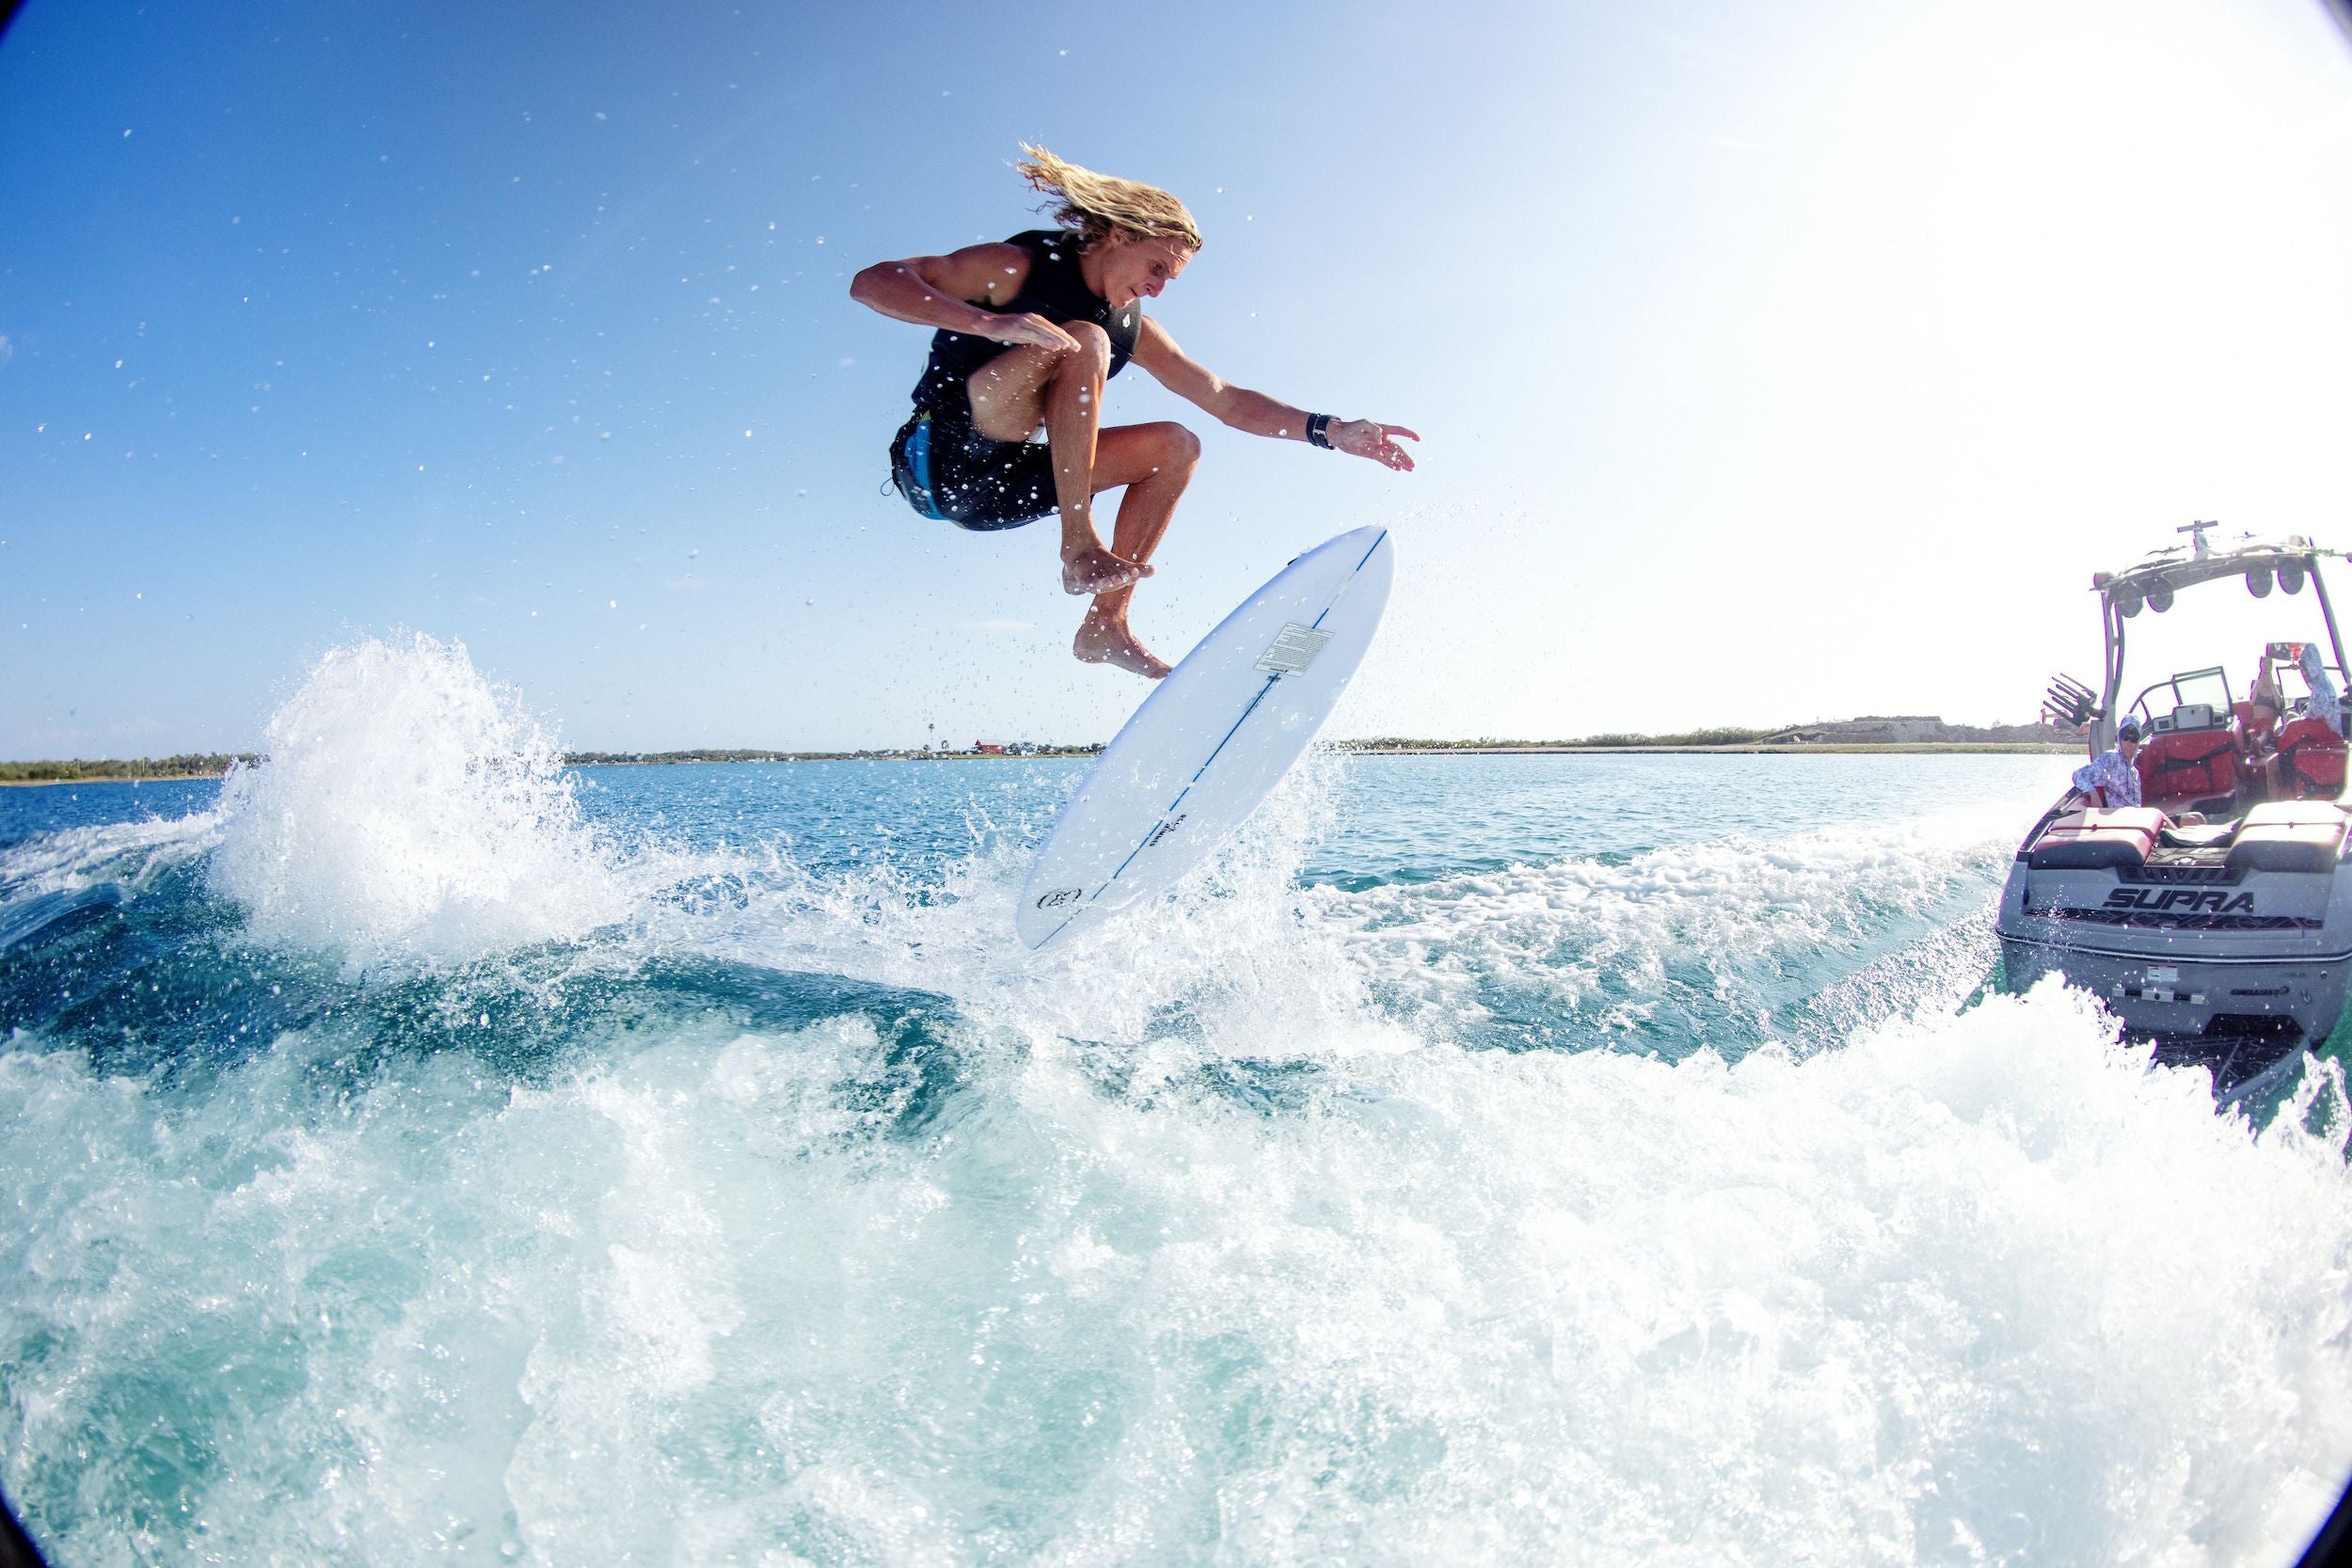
pixel 1349 748
pixel 1344 748
pixel 107 779
pixel 1834 748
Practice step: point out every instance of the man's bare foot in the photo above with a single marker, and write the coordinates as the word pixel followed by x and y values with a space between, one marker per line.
pixel 1104 641
pixel 1097 571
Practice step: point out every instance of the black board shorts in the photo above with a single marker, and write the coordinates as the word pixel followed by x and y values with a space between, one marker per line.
pixel 947 470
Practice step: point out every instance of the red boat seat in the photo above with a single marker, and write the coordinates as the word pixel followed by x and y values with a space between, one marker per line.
pixel 2311 760
pixel 2097 840
pixel 2182 765
pixel 2288 835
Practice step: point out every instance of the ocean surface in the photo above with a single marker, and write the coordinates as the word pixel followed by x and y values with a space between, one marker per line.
pixel 420 1152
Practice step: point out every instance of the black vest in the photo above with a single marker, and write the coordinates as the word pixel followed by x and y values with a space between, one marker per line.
pixel 1053 289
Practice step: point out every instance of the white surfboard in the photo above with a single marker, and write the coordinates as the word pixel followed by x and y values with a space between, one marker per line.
pixel 1213 740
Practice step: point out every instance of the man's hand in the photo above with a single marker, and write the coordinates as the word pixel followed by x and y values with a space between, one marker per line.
pixel 1373 439
pixel 1032 329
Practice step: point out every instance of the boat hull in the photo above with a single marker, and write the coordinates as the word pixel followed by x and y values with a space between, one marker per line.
pixel 2162 992
pixel 2213 959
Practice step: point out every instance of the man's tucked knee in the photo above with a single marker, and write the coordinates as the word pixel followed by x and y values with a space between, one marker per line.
pixel 1179 448
pixel 1095 345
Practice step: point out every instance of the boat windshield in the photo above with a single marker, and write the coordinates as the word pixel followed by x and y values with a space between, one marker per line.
pixel 2193 699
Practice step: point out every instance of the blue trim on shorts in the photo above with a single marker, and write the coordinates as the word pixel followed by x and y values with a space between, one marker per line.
pixel 949 473
pixel 918 452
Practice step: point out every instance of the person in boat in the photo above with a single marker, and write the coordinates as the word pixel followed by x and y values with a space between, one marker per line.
pixel 1027 332
pixel 2263 695
pixel 2258 728
pixel 2110 779
pixel 2324 703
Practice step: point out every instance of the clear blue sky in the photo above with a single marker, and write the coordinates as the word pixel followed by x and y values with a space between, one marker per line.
pixel 1773 362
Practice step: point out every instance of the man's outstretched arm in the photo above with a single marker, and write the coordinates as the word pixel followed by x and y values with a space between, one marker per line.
pixel 1256 413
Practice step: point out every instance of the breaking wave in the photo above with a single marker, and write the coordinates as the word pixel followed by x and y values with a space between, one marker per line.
pixel 423 1150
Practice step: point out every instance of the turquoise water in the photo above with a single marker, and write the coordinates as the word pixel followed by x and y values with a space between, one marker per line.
pixel 422 1151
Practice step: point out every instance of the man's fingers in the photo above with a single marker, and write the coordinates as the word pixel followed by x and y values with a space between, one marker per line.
pixel 1399 430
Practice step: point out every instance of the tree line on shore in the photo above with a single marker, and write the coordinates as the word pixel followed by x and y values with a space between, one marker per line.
pixel 1723 736
pixel 211 765
pixel 202 765
pixel 187 764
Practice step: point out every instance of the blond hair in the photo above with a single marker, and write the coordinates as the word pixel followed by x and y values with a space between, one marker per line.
pixel 1095 204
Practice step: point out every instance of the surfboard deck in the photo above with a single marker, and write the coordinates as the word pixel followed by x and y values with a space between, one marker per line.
pixel 1212 741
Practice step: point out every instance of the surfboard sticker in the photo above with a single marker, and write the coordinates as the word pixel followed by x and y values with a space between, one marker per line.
pixel 1295 649
pixel 1212 741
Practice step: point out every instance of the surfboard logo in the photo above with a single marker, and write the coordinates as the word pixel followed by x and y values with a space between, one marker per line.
pixel 1061 897
pixel 1294 648
pixel 1166 826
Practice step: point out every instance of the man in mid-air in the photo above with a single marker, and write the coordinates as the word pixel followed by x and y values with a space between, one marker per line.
pixel 1029 329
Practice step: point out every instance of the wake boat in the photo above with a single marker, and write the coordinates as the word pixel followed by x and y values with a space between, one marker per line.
pixel 2214 919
